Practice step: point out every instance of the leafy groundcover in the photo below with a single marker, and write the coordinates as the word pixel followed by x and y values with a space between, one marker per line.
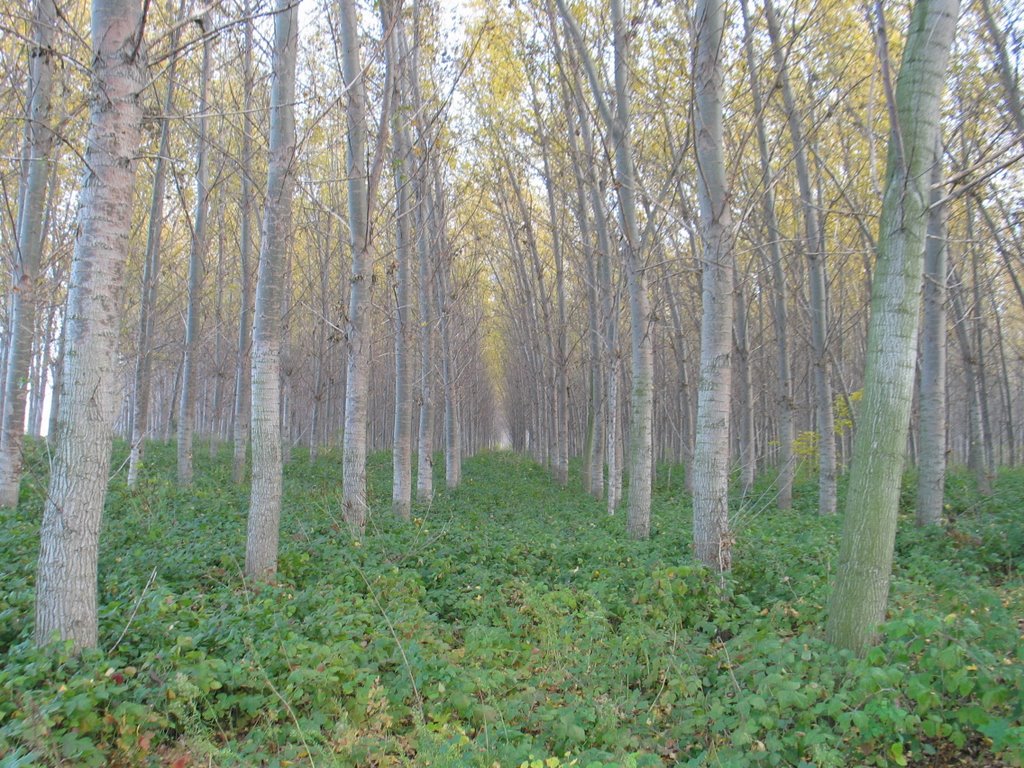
pixel 509 623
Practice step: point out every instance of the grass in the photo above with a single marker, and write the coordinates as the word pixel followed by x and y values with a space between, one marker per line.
pixel 511 622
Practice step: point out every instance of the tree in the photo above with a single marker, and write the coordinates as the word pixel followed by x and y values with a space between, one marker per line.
pixel 66 588
pixel 711 535
pixel 151 278
pixel 814 248
pixel 363 180
pixel 401 489
pixel 243 369
pixel 861 589
pixel 780 312
pixel 29 247
pixel 616 119
pixel 196 268
pixel 267 468
pixel 931 461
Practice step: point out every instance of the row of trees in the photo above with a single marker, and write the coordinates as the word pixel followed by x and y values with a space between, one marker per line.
pixel 550 210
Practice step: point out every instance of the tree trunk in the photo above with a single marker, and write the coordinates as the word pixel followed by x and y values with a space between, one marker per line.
pixel 780 319
pixel 449 383
pixel 58 380
pixel 931 479
pixel 859 597
pixel 215 421
pixel 745 394
pixel 975 423
pixel 197 256
pixel 425 433
pixel 638 515
pixel 29 247
pixel 357 330
pixel 267 467
pixel 66 580
pixel 243 372
pixel 401 488
pixel 150 281
pixel 638 518
pixel 711 535
pixel 814 249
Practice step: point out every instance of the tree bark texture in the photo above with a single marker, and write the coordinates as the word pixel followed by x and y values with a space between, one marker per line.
pixel 357 328
pixel 66 581
pixel 150 282
pixel 931 462
pixel 860 593
pixel 711 534
pixel 267 467
pixel 196 267
pixel 29 249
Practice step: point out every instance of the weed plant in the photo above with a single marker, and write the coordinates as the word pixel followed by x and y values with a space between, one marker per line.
pixel 510 623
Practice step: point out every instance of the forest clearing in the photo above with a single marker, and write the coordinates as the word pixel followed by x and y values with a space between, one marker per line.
pixel 510 621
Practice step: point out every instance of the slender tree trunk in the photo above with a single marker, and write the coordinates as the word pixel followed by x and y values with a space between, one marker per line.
pixel 780 319
pixel 711 534
pixel 267 467
pixel 745 393
pixel 215 420
pixel 357 330
pixel 859 597
pixel 1007 395
pixel 243 372
pixel 813 246
pixel 66 579
pixel 560 433
pixel 975 423
pixel 449 383
pixel 931 481
pixel 150 281
pixel 29 246
pixel 638 519
pixel 1007 69
pixel 978 326
pixel 197 256
pixel 58 365
pixel 595 260
pixel 401 489
pixel 425 434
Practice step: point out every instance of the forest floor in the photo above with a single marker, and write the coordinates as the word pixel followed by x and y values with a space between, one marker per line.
pixel 510 623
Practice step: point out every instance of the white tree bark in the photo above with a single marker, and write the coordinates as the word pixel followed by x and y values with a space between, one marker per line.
pixel 858 600
pixel 638 517
pixel 401 487
pixel 197 257
pixel 243 370
pixel 745 391
pixel 813 247
pixel 29 247
pixel 150 281
pixel 780 316
pixel 66 586
pixel 267 467
pixel 357 328
pixel 931 476
pixel 425 433
pixel 711 534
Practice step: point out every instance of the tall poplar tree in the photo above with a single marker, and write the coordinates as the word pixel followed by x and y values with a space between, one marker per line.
pixel 66 580
pixel 859 596
pixel 29 248
pixel 196 269
pixel 267 467
pixel 711 535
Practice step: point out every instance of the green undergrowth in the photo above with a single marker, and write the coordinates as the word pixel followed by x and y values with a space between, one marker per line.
pixel 509 623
